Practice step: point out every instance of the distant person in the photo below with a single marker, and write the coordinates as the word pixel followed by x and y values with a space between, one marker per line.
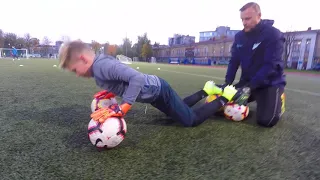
pixel 258 48
pixel 133 86
pixel 14 53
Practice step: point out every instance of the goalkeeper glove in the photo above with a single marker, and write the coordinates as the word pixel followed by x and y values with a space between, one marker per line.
pixel 104 95
pixel 228 92
pixel 242 96
pixel 112 111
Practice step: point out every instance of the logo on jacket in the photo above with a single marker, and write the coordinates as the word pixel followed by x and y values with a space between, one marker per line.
pixel 256 45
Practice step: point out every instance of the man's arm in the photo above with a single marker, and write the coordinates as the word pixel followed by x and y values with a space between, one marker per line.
pixel 233 65
pixel 272 58
pixel 112 70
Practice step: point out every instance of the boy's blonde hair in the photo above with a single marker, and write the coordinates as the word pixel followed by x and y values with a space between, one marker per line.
pixel 67 51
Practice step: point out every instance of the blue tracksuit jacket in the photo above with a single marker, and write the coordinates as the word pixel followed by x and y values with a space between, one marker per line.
pixel 259 53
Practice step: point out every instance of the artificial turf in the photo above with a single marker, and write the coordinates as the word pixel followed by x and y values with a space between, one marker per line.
pixel 45 112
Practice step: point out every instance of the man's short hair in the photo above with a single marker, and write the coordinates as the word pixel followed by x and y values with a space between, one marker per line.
pixel 253 5
pixel 68 49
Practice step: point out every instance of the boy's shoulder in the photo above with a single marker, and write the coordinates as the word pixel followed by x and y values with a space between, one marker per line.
pixel 104 58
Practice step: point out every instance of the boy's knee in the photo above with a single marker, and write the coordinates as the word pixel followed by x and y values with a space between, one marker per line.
pixel 189 123
pixel 268 122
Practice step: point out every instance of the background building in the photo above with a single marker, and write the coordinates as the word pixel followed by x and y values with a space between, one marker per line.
pixel 221 31
pixel 178 39
pixel 302 48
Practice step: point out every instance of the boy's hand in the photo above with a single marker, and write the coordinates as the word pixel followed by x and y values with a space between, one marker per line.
pixel 104 94
pixel 112 111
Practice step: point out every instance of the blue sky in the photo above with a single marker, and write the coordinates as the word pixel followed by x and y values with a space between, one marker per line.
pixel 110 20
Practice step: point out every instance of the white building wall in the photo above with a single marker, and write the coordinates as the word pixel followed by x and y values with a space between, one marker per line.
pixel 303 36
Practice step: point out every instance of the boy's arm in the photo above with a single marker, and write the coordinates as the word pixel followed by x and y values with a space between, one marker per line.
pixel 113 70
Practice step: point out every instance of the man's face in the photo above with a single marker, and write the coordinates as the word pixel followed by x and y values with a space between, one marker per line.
pixel 250 18
pixel 81 66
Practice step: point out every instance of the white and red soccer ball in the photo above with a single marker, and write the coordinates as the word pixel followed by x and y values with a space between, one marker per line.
pixel 110 133
pixel 107 135
pixel 236 112
pixel 231 111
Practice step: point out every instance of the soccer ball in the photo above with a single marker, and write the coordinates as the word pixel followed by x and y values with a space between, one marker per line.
pixel 108 134
pixel 236 112
pixel 98 103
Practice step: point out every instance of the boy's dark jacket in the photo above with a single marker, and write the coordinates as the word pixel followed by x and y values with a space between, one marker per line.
pixel 259 53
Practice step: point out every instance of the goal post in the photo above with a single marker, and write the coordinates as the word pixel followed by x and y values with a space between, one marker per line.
pixel 124 59
pixel 7 52
pixel 153 60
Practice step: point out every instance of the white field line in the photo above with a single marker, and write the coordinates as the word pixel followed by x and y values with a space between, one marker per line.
pixel 219 78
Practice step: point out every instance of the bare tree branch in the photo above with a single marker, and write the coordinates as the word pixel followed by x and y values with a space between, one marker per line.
pixel 290 37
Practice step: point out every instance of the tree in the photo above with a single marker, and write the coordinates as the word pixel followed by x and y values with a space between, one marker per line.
pixel 34 42
pixel 28 42
pixel 46 42
pixel 95 46
pixel 146 51
pixel 137 47
pixel 126 48
pixel 65 38
pixel 1 39
pixel 20 43
pixel 290 37
pixel 10 39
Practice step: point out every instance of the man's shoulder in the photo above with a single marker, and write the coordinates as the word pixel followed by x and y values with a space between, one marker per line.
pixel 238 35
pixel 271 32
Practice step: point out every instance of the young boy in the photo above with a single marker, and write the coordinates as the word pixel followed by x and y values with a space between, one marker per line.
pixel 134 86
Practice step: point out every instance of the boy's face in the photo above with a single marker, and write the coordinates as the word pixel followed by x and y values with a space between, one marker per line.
pixel 81 65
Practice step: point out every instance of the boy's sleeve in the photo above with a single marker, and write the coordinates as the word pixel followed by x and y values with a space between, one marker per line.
pixel 233 65
pixel 112 70
pixel 272 58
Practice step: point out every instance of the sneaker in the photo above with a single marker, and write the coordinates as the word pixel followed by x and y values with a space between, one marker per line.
pixel 210 88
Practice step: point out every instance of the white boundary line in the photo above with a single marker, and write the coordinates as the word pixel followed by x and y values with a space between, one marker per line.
pixel 214 77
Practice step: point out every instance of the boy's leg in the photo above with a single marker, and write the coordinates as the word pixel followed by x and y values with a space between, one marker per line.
pixel 171 104
pixel 270 106
pixel 208 89
pixel 194 98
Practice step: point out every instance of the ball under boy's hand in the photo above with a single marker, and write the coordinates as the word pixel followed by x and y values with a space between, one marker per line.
pixel 104 94
pixel 113 111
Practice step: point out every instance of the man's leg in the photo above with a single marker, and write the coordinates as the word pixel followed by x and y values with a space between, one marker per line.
pixel 270 106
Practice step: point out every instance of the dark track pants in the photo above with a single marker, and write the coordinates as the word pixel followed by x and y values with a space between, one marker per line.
pixel 269 105
pixel 180 110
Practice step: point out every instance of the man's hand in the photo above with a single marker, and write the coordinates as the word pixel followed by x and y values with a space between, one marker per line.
pixel 104 95
pixel 242 96
pixel 112 111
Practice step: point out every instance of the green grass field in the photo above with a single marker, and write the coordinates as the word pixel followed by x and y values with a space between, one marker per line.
pixel 45 112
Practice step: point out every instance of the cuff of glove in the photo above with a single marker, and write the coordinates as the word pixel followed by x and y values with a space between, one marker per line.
pixel 104 94
pixel 125 107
